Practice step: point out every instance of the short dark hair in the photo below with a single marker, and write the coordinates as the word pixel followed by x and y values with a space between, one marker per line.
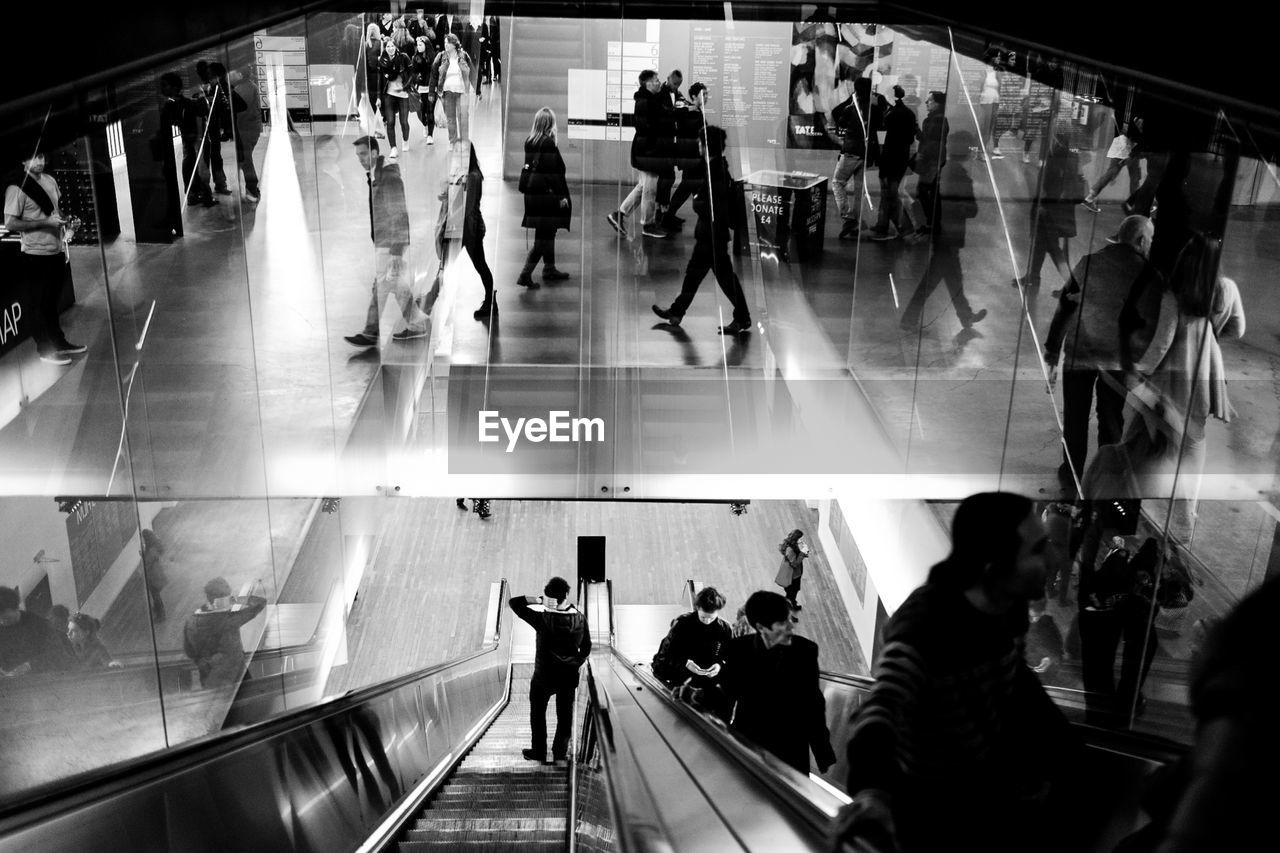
pixel 697 89
pixel 939 98
pixel 899 92
pixel 984 534
pixel 368 141
pixel 170 78
pixel 716 138
pixel 647 75
pixel 557 588
pixel 675 72
pixel 59 613
pixel 217 588
pixel 767 608
pixel 709 599
pixel 9 599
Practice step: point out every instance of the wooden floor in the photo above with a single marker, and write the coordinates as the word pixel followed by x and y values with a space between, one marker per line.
pixel 422 599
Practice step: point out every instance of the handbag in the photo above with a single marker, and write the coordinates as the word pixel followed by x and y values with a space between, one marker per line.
pixel 527 173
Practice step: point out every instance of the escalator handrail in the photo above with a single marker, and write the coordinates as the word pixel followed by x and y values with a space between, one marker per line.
pixel 68 793
pixel 766 769
pixel 1148 747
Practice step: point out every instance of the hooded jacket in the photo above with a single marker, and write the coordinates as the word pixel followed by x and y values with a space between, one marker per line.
pixel 211 638
pixel 563 641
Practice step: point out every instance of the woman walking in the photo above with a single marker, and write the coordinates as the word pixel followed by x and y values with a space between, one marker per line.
pixel 451 81
pixel 394 70
pixel 461 222
pixel 794 553
pixel 546 198
pixel 424 58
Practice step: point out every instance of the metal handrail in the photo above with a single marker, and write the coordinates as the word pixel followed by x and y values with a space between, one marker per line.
pixel 608 588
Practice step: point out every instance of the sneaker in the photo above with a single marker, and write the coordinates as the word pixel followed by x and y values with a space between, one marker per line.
pixel 669 317
pixel 406 145
pixel 880 236
pixel 735 328
pixel 553 274
pixel 617 220
pixel 996 155
pixel 525 280
pixel 54 358
pixel 654 230
pixel 1026 158
pixel 1091 205
pixel 67 348
pixel 534 756
pixel 395 152
pixel 361 340
pixel 251 198
pixel 431 140
pixel 410 334
pixel 975 317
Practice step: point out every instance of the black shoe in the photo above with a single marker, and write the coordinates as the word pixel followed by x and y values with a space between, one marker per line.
pixel 655 230
pixel 534 756
pixel 481 507
pixel 975 317
pixel 880 236
pixel 361 340
pixel 527 281
pixel 617 221
pixel 222 191
pixel 671 224
pixel 487 308
pixel 553 274
pixel 462 503
pixel 736 328
pixel 670 317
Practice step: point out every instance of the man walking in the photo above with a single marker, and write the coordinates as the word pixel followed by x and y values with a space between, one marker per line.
pixel 690 123
pixel 711 241
pixel 31 209
pixel 563 645
pixel 858 122
pixel 1086 330
pixel 653 124
pixel 389 228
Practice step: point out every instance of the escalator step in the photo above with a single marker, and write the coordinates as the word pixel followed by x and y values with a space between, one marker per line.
pixel 498 814
pixel 486 845
pixel 490 825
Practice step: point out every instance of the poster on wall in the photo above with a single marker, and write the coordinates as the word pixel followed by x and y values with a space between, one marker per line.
pixel 825 60
pixel 743 68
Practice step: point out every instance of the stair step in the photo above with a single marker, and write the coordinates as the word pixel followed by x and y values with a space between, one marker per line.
pixel 526 826
pixel 514 813
pixel 486 845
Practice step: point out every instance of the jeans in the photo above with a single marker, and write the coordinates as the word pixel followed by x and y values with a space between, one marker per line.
pixel 387 282
pixel 540 693
pixel 43 275
pixel 848 167
pixel 1143 197
pixel 644 194
pixel 544 249
pixel 927 191
pixel 455 114
pixel 712 255
pixel 392 107
pixel 427 113
pixel 244 156
pixel 212 160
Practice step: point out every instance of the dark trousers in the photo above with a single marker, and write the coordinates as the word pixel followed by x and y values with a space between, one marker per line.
pixel 927 191
pixel 213 157
pixel 792 590
pixel 540 693
pixel 666 180
pixel 43 275
pixel 1078 389
pixel 195 183
pixel 1139 650
pixel 427 113
pixel 244 156
pixel 686 189
pixel 710 255
pixel 944 265
pixel 1047 241
pixel 1141 200
pixel 544 249
pixel 475 249
pixel 392 107
pixel 890 200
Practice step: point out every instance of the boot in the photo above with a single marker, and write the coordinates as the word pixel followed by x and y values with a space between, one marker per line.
pixel 526 280
pixel 487 308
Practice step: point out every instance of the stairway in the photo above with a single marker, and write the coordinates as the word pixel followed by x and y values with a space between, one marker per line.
pixel 496 800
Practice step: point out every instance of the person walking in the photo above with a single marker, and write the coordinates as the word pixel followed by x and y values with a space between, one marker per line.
pixel 562 646
pixel 856 122
pixel 31 209
pixel 690 126
pixel 393 69
pixel 389 229
pixel 420 66
pixel 1054 213
pixel 647 156
pixel 451 81
pixel 895 155
pixel 547 207
pixel 772 675
pixel 794 552
pixel 461 224
pixel 931 156
pixel 711 241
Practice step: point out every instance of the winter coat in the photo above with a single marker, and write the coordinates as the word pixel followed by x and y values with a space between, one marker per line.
pixel 931 154
pixel 690 640
pixel 792 566
pixel 563 642
pixel 388 215
pixel 392 68
pixel 546 186
pixel 655 131
pixel 32 640
pixel 900 132
pixel 211 638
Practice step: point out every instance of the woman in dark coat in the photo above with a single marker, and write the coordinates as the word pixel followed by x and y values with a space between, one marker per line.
pixel 546 198
pixel 1054 213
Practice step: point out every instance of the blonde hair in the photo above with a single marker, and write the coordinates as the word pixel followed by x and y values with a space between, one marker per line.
pixel 371 30
pixel 544 125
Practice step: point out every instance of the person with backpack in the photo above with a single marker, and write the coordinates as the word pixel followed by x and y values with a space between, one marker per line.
pixel 714 206
pixel 563 645
pixel 546 198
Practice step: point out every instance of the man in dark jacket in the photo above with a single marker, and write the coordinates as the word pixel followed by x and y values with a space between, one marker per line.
pixel 178 111
pixel 714 206
pixel 954 206
pixel 389 228
pixel 773 676
pixel 211 637
pixel 900 134
pixel 27 642
pixel 652 126
pixel 563 645
pixel 857 122
pixel 691 653
pixel 690 122
pixel 957 738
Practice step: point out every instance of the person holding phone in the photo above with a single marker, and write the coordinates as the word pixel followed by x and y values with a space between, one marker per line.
pixel 211 637
pixel 794 552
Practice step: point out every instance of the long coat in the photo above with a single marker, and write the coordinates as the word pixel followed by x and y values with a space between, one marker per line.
pixel 546 187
